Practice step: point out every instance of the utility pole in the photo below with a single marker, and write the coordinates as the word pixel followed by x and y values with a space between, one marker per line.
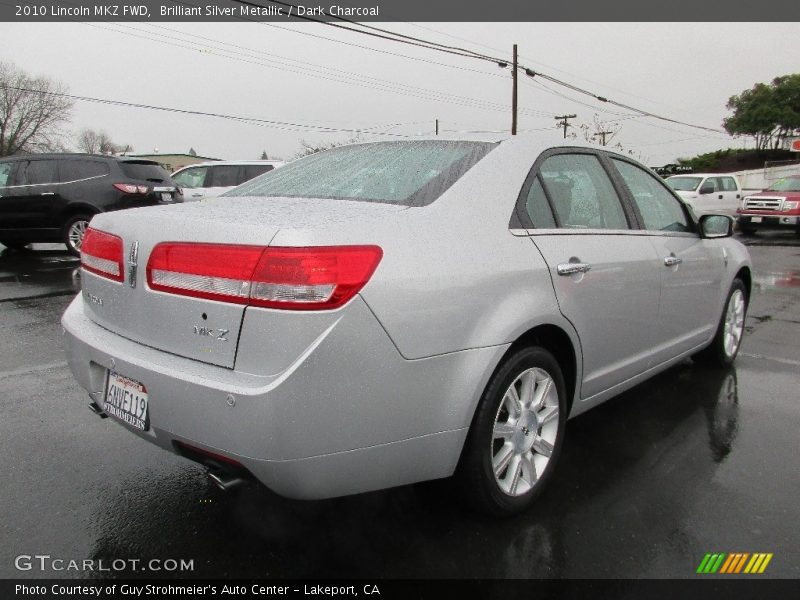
pixel 437 126
pixel 602 135
pixel 514 94
pixel 565 122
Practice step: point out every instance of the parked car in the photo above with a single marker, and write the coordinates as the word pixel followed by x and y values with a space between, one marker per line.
pixel 777 207
pixel 206 180
pixel 52 197
pixel 708 193
pixel 385 313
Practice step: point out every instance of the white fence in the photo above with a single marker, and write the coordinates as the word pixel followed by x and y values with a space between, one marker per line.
pixel 759 179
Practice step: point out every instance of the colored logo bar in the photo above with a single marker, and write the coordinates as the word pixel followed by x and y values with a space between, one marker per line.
pixel 737 562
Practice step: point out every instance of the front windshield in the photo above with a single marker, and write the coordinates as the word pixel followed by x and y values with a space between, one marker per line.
pixel 787 184
pixel 684 184
pixel 412 173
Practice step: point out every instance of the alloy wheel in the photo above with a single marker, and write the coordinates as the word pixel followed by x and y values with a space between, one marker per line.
pixel 525 431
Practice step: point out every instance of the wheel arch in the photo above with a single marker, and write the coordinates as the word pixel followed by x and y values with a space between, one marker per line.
pixel 747 278
pixel 77 208
pixel 557 341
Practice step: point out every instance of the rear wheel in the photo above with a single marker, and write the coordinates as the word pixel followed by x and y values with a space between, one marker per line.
pixel 725 345
pixel 516 435
pixel 74 230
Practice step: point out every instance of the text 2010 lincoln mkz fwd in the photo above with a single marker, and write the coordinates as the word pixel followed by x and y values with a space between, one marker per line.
pixel 385 313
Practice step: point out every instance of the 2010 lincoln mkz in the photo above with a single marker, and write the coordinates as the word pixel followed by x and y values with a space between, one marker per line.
pixel 385 313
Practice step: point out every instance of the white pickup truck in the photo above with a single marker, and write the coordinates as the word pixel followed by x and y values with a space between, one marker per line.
pixel 709 192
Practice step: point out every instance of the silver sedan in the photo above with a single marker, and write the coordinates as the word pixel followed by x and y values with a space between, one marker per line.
pixel 385 313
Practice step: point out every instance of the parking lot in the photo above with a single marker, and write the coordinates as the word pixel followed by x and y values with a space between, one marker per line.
pixel 693 461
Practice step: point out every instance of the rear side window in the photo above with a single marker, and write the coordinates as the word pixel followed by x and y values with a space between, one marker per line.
pixel 582 193
pixel 146 170
pixel 408 173
pixel 538 208
pixel 660 210
pixel 5 173
pixel 225 176
pixel 37 172
pixel 75 170
pixel 251 171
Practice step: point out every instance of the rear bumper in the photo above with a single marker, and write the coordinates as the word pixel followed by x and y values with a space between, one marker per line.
pixel 348 415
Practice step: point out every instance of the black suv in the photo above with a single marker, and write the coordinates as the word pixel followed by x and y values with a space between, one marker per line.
pixel 52 197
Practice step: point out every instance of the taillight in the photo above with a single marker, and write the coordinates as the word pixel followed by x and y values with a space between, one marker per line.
pixel 101 254
pixel 130 188
pixel 312 278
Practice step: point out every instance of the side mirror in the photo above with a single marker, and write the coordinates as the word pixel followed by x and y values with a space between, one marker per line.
pixel 716 226
pixel 707 189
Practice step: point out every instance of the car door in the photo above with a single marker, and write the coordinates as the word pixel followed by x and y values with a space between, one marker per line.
pixel 7 193
pixel 602 270
pixel 731 197
pixel 36 196
pixel 690 267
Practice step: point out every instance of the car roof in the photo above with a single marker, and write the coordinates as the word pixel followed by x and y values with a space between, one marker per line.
pixel 76 156
pixel 212 163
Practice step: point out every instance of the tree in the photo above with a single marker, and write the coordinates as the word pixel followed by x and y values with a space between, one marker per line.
pixel 312 148
pixel 31 111
pixel 264 155
pixel 99 142
pixel 192 152
pixel 768 112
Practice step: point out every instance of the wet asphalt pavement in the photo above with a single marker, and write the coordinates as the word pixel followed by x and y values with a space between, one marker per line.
pixel 693 461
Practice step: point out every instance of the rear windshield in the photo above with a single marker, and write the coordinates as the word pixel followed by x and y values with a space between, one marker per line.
pixel 143 169
pixel 684 184
pixel 411 173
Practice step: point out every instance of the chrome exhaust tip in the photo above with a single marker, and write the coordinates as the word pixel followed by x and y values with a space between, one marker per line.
pixel 224 481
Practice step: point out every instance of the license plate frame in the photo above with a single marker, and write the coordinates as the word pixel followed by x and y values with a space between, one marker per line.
pixel 166 197
pixel 756 219
pixel 127 400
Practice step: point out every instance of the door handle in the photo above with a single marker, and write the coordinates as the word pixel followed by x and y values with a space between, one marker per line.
pixel 47 194
pixel 197 195
pixel 671 261
pixel 572 268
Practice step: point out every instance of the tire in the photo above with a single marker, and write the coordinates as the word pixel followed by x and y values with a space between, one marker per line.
pixel 505 463
pixel 72 234
pixel 728 339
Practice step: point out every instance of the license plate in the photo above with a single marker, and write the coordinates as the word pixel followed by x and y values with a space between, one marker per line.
pixel 166 197
pixel 755 219
pixel 126 399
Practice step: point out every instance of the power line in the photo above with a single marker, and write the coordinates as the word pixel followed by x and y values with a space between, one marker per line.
pixel 320 72
pixel 285 125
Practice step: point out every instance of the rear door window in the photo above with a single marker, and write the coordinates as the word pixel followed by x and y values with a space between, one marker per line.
pixel 538 207
pixel 37 172
pixel 251 171
pixel 78 170
pixel 660 210
pixel 145 170
pixel 728 184
pixel 582 193
pixel 225 176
